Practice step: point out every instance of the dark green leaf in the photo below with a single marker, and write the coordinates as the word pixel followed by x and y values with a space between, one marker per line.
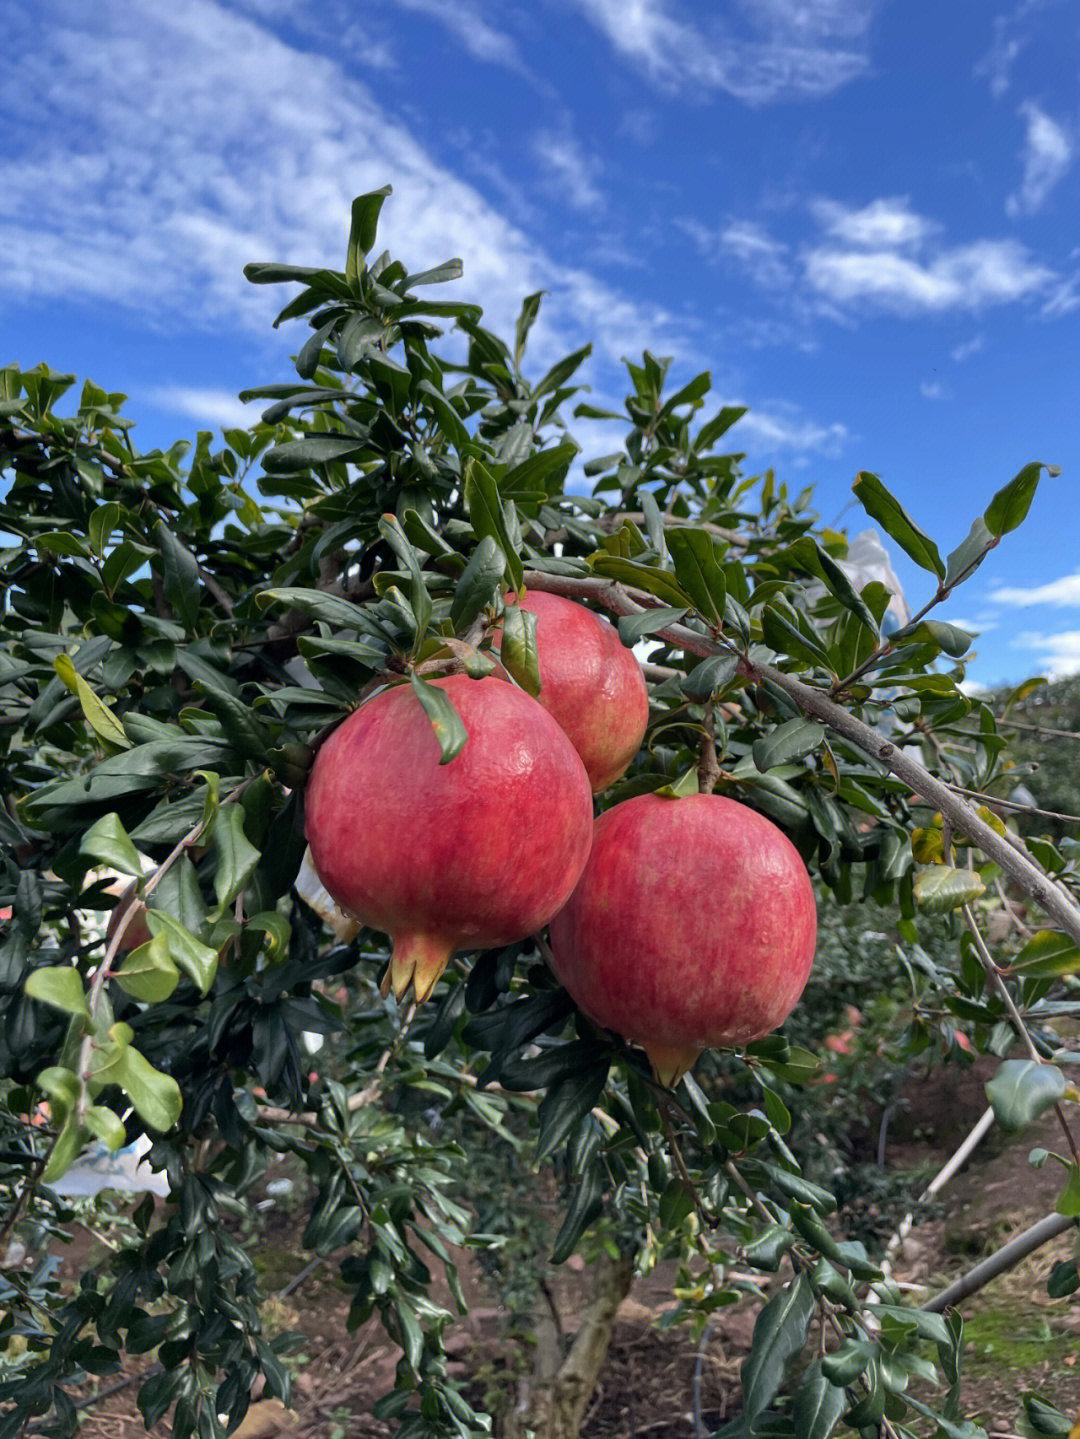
pixel 445 720
pixel 636 627
pixel 362 230
pixel 696 557
pixel 107 841
pixel 1010 505
pixel 790 741
pixel 779 1334
pixel 518 650
pixel 236 856
pixel 486 513
pixel 884 507
pixel 969 555
pixel 818 1406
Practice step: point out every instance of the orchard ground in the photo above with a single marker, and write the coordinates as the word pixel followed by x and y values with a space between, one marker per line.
pixel 1016 1338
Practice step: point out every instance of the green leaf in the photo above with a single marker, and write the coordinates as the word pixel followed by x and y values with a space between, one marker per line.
pixel 564 1105
pixel 1022 1090
pixel 530 308
pixel 767 1249
pixel 585 1206
pixel 881 505
pixel 1048 955
pixel 148 973
pixel 950 638
pixel 479 583
pixel 97 714
pixel 790 741
pixel 363 230
pixel 660 583
pixel 277 930
pixel 108 841
pixel 103 1124
pixel 712 674
pixel 180 576
pixel 969 555
pixel 561 371
pixel 486 513
pixel 102 523
pixel 391 531
pixel 818 1406
pixel 786 638
pixel 65 1151
pixel 1064 1279
pixel 1010 505
pixel 696 556
pixel 1068 1201
pixel 296 455
pixel 518 650
pixel 236 857
pixel 198 961
pixel 156 1096
pixel 939 888
pixel 779 1334
pixel 60 986
pixel 445 720
pixel 341 614
pixel 635 627
pixel 62 1087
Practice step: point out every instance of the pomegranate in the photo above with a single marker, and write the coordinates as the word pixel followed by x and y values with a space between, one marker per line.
pixel 590 682
pixel 693 926
pixel 472 854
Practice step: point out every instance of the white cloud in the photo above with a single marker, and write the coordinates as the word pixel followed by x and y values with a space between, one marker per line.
pixel 465 22
pixel 1064 297
pixel 883 223
pixel 572 174
pixel 749 244
pixel 760 51
pixel 1047 154
pixel 934 390
pixel 1062 593
pixel 1055 655
pixel 158 149
pixel 963 277
pixel 213 408
pixel 778 426
pixel 967 348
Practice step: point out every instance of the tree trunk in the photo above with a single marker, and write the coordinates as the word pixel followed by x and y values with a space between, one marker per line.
pixel 552 1404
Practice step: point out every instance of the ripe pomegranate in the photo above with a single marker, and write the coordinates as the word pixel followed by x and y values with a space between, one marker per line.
pixel 473 854
pixel 692 926
pixel 590 682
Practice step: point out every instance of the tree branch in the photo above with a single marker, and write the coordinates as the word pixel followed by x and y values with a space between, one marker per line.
pixel 1016 863
pixel 1007 1256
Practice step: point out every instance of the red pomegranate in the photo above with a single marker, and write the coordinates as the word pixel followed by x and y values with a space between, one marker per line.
pixel 693 926
pixel 472 854
pixel 590 682
pixel 137 931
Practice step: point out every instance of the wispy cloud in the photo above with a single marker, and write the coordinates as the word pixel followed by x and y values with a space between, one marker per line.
pixel 466 22
pixel 1047 155
pixel 760 51
pixel 1063 593
pixel 912 273
pixel 571 173
pixel 1055 655
pixel 160 148
pixel 749 244
pixel 886 222
pixel 776 427
pixel 206 406
pixel 967 348
pixel 934 390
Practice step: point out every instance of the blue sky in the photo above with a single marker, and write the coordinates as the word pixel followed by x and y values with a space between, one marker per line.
pixel 863 217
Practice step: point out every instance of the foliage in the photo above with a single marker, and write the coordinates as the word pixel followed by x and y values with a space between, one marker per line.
pixel 181 630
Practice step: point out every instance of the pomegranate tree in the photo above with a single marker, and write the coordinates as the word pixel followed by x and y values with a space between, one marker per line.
pixel 590 682
pixel 472 854
pixel 693 925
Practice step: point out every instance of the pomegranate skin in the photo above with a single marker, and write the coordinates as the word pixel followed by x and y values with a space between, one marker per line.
pixel 473 854
pixel 590 682
pixel 693 926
